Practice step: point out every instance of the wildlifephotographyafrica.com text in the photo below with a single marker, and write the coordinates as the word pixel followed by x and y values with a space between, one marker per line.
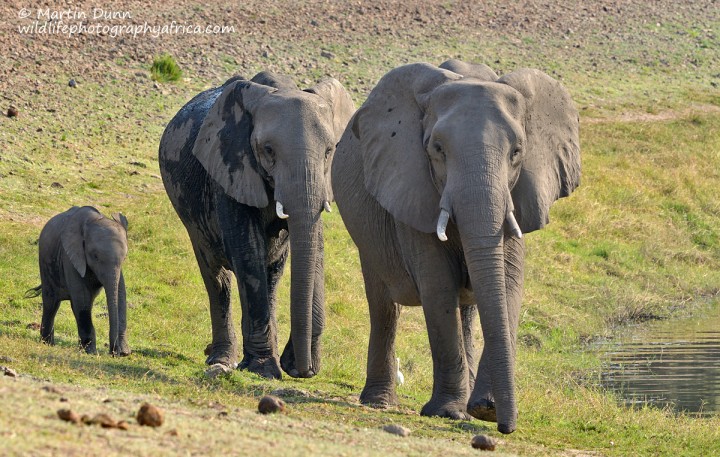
pixel 106 22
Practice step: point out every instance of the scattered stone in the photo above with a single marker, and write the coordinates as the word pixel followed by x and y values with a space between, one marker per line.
pixel 217 369
pixel 269 405
pixel 327 54
pixel 12 112
pixel 398 430
pixel 54 185
pixel 63 399
pixel 123 425
pixel 68 415
pixel 484 442
pixel 150 415
pixel 34 325
pixel 101 419
pixel 172 432
pixel 7 371
pixel 72 83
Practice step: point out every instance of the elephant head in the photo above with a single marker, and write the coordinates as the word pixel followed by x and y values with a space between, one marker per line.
pixel 265 140
pixel 489 155
pixel 96 245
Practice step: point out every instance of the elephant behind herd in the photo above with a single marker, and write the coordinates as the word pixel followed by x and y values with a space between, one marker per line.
pixel 437 176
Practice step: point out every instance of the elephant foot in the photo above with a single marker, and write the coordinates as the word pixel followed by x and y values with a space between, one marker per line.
pixel 483 409
pixel 121 350
pixel 88 347
pixel 442 408
pixel 287 361
pixel 267 367
pixel 378 397
pixel 223 354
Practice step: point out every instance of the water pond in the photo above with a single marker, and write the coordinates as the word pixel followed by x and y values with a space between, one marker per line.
pixel 674 363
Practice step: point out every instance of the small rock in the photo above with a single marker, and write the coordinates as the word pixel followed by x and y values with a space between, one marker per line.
pixel 327 54
pixel 101 419
pixel 484 442
pixel 72 83
pixel 172 432
pixel 7 371
pixel 123 425
pixel 269 404
pixel 398 430
pixel 12 112
pixel 150 415
pixel 68 415
pixel 217 369
pixel 63 399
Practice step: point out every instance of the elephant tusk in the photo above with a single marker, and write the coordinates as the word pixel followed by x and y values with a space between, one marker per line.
pixel 442 225
pixel 280 211
pixel 514 227
pixel 326 205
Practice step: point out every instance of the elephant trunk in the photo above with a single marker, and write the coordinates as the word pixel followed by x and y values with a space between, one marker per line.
pixel 307 274
pixel 111 283
pixel 480 211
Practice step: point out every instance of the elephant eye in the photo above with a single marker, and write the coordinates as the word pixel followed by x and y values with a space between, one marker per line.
pixel 328 151
pixel 438 148
pixel 515 154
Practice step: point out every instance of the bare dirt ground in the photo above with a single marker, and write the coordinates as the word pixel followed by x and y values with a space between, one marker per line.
pixel 33 62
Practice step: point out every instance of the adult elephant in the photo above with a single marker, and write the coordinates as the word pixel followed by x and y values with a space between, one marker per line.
pixel 224 158
pixel 436 177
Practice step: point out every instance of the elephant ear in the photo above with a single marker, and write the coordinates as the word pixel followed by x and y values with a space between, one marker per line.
pixel 121 219
pixel 223 144
pixel 470 70
pixel 551 168
pixel 72 237
pixel 341 103
pixel 389 126
pixel 342 107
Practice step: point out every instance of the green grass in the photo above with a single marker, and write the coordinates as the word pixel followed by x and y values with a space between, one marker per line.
pixel 165 69
pixel 638 240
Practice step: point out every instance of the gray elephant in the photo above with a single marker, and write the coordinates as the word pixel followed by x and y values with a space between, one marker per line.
pixel 80 252
pixel 224 158
pixel 437 176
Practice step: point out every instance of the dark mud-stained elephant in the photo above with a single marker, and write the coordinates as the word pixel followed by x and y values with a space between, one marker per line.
pixel 80 252
pixel 247 168
pixel 437 176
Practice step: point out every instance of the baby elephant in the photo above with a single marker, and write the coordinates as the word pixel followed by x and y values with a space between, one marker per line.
pixel 81 251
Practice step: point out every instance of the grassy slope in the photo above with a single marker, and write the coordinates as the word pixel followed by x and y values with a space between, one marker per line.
pixel 638 239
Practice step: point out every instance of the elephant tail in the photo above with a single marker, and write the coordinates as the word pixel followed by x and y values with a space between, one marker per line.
pixel 34 292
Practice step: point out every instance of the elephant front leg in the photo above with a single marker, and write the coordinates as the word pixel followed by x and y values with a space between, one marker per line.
pixel 86 329
pixel 450 373
pixel 482 404
pixel 379 387
pixel 259 326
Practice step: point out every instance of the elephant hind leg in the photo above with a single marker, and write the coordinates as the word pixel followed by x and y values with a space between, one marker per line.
pixel 379 387
pixel 51 305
